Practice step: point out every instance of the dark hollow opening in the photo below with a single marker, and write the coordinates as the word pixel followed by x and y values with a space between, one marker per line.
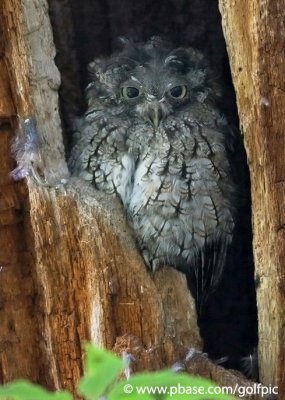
pixel 90 28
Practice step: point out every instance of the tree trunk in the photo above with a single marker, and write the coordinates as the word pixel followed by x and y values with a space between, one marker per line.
pixel 254 32
pixel 70 270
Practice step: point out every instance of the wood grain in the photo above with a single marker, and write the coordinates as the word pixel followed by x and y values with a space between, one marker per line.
pixel 254 33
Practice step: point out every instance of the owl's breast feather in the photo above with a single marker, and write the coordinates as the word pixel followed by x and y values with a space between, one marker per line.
pixel 122 177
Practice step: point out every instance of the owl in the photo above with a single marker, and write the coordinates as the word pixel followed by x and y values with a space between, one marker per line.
pixel 154 136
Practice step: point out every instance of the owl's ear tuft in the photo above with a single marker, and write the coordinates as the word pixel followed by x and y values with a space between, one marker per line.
pixel 177 59
pixel 110 72
pixel 105 75
pixel 195 66
pixel 186 59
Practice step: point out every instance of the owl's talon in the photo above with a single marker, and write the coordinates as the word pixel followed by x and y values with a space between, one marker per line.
pixel 19 173
pixel 37 178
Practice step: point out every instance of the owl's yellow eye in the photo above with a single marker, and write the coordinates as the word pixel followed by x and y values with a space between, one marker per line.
pixel 129 92
pixel 178 92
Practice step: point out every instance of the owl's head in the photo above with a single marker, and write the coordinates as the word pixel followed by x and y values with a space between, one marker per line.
pixel 150 81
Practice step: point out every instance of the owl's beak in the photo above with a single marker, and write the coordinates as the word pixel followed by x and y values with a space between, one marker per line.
pixel 155 116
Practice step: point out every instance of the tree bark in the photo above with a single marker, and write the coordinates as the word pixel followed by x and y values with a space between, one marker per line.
pixel 70 270
pixel 254 32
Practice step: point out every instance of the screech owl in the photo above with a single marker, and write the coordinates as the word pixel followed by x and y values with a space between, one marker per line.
pixel 154 136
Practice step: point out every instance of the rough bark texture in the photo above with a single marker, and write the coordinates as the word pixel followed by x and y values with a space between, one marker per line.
pixel 18 332
pixel 69 267
pixel 70 271
pixel 254 32
pixel 94 285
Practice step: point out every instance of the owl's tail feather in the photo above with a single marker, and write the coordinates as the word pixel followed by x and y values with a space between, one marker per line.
pixel 208 269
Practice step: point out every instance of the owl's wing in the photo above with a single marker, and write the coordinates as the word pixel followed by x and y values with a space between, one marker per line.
pixel 93 146
pixel 100 155
pixel 83 138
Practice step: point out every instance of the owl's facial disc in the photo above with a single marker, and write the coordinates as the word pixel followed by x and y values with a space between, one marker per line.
pixel 157 110
pixel 151 97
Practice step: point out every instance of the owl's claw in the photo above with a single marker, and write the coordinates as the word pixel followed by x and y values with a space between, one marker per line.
pixel 37 177
pixel 24 171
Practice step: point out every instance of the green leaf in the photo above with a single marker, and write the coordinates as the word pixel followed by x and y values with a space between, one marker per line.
pixel 23 390
pixel 166 385
pixel 101 370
